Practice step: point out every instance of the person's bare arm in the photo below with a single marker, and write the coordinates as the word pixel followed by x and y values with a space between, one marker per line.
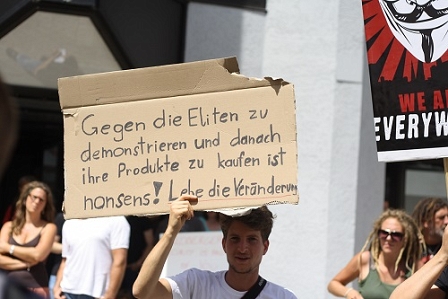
pixel 6 262
pixel 148 283
pixel 116 272
pixel 57 245
pixel 337 286
pixel 10 264
pixel 421 284
pixel 57 291
pixel 33 255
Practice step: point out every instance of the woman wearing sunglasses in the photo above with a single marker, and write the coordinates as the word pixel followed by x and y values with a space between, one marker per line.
pixel 389 256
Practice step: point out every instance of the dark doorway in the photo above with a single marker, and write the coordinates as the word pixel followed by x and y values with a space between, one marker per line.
pixel 138 34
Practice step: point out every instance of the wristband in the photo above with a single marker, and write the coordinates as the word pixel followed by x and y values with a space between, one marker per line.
pixel 11 249
pixel 348 291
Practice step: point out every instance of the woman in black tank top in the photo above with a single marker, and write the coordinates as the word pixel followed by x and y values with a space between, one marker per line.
pixel 26 241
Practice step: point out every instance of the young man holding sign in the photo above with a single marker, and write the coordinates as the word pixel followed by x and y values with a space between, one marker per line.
pixel 245 241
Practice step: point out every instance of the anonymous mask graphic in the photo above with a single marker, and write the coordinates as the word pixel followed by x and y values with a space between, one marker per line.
pixel 421 26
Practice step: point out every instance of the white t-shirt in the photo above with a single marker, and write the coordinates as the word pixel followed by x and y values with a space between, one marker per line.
pixel 199 284
pixel 87 246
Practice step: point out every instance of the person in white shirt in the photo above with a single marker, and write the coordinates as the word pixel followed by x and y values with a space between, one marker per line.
pixel 245 241
pixel 94 253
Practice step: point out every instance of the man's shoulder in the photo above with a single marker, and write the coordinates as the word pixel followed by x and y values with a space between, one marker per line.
pixel 111 221
pixel 274 290
pixel 203 272
pixel 199 274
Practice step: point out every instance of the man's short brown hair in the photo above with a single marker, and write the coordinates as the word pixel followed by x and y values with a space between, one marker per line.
pixel 260 219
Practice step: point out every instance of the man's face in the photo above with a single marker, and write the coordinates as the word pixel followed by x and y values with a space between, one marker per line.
pixel 440 222
pixel 244 248
pixel 421 26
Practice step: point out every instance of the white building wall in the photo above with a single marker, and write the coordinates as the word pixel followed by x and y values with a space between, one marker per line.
pixel 319 47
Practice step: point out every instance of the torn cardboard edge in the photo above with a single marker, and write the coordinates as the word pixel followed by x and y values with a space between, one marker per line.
pixel 158 82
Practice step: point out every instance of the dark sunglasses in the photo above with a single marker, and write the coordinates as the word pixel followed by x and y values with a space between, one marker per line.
pixel 396 236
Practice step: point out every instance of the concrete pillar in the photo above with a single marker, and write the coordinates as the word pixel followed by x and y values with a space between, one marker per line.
pixel 319 47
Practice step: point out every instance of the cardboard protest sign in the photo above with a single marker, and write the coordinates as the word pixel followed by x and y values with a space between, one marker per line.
pixel 407 57
pixel 135 140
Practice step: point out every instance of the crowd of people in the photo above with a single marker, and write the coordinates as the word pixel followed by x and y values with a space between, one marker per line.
pixel 57 258
pixel 395 251
pixel 123 257
pixel 77 258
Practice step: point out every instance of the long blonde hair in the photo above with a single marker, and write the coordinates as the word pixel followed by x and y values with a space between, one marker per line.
pixel 48 213
pixel 412 248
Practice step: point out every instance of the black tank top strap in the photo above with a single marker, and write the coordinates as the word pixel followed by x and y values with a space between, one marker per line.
pixel 43 227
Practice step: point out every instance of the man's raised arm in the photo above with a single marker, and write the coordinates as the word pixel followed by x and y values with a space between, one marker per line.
pixel 421 284
pixel 147 285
